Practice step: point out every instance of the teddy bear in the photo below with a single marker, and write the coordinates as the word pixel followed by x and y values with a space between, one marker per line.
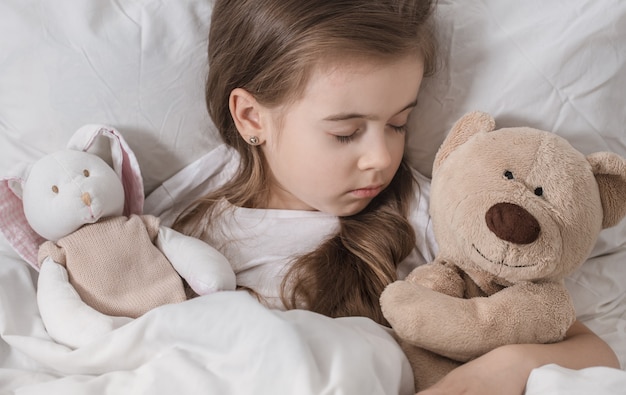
pixel 101 261
pixel 514 210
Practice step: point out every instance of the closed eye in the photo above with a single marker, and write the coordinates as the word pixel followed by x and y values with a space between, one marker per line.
pixel 399 129
pixel 346 139
pixel 349 138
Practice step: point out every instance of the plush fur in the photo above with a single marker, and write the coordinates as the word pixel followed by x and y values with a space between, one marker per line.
pixel 514 211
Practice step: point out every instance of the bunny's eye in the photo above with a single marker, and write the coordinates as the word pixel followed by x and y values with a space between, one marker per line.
pixel 86 173
pixel 55 189
pixel 508 175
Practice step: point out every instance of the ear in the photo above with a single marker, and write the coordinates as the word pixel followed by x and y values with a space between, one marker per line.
pixel 469 125
pixel 19 175
pixel 610 171
pixel 246 112
pixel 13 223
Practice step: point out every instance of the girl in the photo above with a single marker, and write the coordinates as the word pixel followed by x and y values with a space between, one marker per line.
pixel 323 212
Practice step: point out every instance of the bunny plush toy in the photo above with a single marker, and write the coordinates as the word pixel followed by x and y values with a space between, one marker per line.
pixel 75 215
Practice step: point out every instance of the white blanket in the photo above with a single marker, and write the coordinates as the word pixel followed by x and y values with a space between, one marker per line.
pixel 225 343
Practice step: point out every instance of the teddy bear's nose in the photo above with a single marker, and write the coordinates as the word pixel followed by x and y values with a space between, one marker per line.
pixel 512 223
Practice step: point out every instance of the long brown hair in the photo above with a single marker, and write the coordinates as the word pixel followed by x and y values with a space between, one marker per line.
pixel 269 48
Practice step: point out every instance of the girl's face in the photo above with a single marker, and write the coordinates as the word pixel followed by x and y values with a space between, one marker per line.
pixel 341 143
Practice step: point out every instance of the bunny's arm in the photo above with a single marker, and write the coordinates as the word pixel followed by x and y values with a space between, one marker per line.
pixel 204 268
pixel 67 318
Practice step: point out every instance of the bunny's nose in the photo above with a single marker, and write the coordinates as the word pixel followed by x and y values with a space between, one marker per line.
pixel 86 198
pixel 512 223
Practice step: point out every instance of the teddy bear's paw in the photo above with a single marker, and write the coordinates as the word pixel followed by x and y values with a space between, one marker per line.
pixel 439 278
pixel 400 303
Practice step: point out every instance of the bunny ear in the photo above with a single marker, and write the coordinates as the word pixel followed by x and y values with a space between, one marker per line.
pixel 93 139
pixel 13 224
pixel 16 178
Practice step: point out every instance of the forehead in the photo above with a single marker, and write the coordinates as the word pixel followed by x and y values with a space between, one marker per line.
pixel 359 84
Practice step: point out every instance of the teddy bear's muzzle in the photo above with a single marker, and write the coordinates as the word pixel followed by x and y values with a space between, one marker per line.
pixel 512 223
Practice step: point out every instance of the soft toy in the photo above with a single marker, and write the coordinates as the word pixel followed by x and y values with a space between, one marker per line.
pixel 103 264
pixel 514 211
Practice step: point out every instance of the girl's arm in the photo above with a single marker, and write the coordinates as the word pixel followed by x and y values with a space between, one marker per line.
pixel 505 370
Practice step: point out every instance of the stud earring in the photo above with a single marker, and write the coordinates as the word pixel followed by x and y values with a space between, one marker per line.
pixel 253 140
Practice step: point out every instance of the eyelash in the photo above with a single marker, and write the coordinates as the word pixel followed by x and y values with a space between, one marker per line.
pixel 347 139
pixel 399 129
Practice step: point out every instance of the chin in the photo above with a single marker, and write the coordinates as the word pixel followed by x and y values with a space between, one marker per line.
pixel 350 209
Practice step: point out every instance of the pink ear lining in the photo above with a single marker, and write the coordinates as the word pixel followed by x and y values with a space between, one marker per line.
pixel 14 226
pixel 133 185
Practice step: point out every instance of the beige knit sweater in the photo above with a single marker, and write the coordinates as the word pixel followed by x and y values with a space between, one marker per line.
pixel 115 266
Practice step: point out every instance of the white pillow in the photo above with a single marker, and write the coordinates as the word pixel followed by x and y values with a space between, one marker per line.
pixel 557 66
pixel 138 66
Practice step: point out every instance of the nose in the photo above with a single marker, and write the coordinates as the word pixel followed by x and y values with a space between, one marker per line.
pixel 512 223
pixel 376 155
pixel 86 198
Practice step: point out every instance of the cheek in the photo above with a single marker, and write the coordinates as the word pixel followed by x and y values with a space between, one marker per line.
pixel 396 150
pixel 398 147
pixel 294 156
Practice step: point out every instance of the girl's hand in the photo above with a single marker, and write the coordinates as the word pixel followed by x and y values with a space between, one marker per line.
pixel 505 370
pixel 502 371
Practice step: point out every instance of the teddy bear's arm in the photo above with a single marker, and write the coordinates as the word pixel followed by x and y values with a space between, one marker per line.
pixel 463 329
pixel 440 276
pixel 204 268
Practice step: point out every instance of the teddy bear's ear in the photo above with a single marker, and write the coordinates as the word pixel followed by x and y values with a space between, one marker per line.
pixel 467 126
pixel 610 172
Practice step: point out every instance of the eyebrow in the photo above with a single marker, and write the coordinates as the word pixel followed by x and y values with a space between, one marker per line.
pixel 353 115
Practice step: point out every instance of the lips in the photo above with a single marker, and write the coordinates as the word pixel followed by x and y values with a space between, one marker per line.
pixel 367 192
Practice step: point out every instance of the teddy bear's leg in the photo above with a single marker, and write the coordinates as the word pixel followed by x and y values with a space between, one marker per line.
pixel 67 318
pixel 204 268
pixel 428 367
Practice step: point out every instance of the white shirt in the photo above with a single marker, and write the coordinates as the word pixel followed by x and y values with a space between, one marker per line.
pixel 261 243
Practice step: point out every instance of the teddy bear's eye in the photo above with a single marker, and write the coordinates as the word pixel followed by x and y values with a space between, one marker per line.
pixel 539 191
pixel 55 189
pixel 508 175
pixel 86 173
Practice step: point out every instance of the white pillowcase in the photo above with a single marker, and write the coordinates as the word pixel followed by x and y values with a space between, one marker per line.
pixel 138 66
pixel 556 66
